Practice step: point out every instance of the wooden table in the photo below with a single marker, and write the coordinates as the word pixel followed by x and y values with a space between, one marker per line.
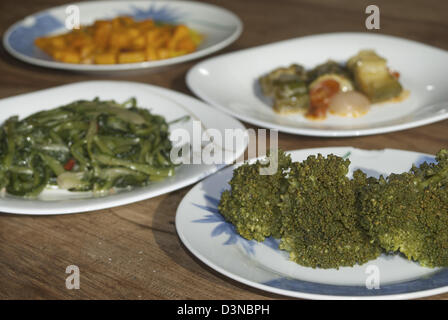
pixel 133 251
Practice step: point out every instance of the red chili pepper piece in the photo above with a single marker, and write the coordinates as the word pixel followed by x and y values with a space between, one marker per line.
pixel 320 98
pixel 69 164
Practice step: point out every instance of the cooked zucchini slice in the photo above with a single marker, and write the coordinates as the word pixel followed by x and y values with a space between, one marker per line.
pixel 298 103
pixel 291 97
pixel 329 67
pixel 281 76
pixel 288 88
pixel 372 77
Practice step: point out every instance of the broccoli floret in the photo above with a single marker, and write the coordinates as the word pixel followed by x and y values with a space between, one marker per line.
pixel 408 212
pixel 251 204
pixel 320 222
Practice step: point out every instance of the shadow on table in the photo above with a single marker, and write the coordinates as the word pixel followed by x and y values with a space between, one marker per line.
pixel 189 261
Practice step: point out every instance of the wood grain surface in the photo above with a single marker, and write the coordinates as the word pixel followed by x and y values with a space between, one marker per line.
pixel 133 251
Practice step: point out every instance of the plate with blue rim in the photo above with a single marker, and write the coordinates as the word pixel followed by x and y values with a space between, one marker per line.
pixel 262 265
pixel 218 26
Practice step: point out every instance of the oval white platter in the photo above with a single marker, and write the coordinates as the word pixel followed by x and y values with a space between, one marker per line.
pixel 230 83
pixel 262 265
pixel 219 27
pixel 170 104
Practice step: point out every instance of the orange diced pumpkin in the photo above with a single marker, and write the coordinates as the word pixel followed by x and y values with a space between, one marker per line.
pixel 164 53
pixel 186 44
pixel 151 53
pixel 152 35
pixel 57 42
pixel 118 40
pixel 101 34
pixel 139 43
pixel 105 58
pixel 132 32
pixel 67 56
pixel 146 24
pixel 86 50
pixel 180 32
pixel 131 57
pixel 41 42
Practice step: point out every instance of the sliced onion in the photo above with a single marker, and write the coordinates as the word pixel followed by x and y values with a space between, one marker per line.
pixel 349 104
pixel 70 180
pixel 54 147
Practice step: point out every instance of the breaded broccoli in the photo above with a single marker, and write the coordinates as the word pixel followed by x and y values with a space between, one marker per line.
pixel 252 203
pixel 320 226
pixel 408 212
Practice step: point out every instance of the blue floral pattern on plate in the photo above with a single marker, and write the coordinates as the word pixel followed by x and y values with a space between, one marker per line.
pixel 436 280
pixel 423 159
pixel 160 13
pixel 223 227
pixel 22 37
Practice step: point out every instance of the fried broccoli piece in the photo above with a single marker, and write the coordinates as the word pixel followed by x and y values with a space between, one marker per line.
pixel 251 204
pixel 408 212
pixel 320 222
pixel 329 67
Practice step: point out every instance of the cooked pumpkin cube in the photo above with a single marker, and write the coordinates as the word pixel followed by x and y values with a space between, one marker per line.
pixel 86 50
pixel 57 42
pixel 180 32
pixel 146 24
pixel 151 53
pixel 67 56
pixel 132 32
pixel 186 44
pixel 164 53
pixel 157 38
pixel 119 40
pixel 139 43
pixel 101 33
pixel 105 58
pixel 131 57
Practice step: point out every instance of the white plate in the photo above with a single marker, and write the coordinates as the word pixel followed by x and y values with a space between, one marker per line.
pixel 230 83
pixel 170 104
pixel 262 265
pixel 219 26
